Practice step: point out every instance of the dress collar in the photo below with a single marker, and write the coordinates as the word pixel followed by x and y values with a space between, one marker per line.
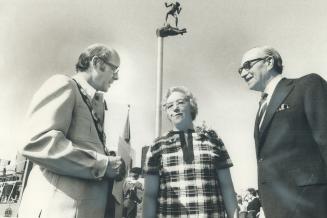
pixel 180 131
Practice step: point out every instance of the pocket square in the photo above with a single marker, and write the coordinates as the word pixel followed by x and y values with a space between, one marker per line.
pixel 283 107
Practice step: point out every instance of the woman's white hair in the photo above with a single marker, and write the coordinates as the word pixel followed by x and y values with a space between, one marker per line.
pixel 188 96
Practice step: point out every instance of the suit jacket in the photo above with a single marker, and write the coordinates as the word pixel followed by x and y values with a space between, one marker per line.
pixel 254 205
pixel 62 140
pixel 291 148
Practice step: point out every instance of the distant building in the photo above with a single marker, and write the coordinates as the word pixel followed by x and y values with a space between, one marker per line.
pixel 12 177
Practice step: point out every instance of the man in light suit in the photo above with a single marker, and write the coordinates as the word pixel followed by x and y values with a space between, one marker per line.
pixel 290 137
pixel 64 138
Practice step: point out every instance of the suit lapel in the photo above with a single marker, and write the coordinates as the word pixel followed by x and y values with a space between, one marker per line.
pixel 282 90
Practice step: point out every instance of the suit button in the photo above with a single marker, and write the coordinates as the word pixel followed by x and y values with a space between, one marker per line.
pixel 261 159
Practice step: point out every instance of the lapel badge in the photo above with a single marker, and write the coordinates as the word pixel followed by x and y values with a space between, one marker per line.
pixel 283 107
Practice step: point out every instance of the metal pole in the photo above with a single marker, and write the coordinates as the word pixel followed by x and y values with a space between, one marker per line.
pixel 159 86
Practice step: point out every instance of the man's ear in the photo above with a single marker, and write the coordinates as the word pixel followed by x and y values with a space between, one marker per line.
pixel 94 61
pixel 97 64
pixel 270 62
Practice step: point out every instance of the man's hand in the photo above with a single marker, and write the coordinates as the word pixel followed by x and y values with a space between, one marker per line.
pixel 116 168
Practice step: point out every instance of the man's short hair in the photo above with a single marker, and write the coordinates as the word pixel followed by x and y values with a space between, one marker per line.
pixel 252 191
pixel 278 62
pixel 98 50
pixel 188 95
pixel 136 170
pixel 112 153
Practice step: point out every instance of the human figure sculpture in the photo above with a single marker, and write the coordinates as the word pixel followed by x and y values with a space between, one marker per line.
pixel 174 11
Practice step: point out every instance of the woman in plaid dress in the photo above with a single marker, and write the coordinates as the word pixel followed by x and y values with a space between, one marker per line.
pixel 187 170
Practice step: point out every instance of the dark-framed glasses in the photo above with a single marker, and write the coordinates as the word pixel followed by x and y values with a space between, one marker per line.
pixel 247 65
pixel 114 68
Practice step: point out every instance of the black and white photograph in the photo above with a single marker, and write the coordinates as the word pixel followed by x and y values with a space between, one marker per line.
pixel 130 109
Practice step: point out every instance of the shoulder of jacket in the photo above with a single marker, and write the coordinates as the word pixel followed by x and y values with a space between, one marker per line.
pixel 54 84
pixel 310 78
pixel 58 80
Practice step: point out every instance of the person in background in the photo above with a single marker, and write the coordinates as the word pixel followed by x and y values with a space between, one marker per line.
pixel 131 190
pixel 253 201
pixel 187 170
pixel 240 204
pixel 111 200
pixel 65 140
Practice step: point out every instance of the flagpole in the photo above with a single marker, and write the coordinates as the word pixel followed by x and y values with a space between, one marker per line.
pixel 127 129
pixel 159 86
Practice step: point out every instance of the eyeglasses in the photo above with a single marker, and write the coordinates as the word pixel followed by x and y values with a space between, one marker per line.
pixel 247 65
pixel 179 102
pixel 114 68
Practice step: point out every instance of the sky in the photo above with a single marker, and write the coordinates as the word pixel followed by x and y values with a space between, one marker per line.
pixel 40 38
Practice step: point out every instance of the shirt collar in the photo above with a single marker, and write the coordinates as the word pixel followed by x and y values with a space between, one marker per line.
pixel 270 88
pixel 90 91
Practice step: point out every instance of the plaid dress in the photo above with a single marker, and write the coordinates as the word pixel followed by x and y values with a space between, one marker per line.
pixel 186 166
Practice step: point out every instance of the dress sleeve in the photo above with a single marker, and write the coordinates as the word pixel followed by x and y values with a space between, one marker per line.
pixel 153 160
pixel 44 139
pixel 221 157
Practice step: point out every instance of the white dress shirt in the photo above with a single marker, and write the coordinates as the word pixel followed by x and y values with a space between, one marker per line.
pixel 270 88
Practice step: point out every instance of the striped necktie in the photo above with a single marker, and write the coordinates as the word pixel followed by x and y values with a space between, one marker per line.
pixel 97 122
pixel 98 106
pixel 262 107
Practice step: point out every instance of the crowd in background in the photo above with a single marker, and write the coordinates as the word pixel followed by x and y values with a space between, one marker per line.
pixel 249 204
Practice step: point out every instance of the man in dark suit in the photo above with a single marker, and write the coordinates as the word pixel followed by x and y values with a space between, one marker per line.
pixel 290 137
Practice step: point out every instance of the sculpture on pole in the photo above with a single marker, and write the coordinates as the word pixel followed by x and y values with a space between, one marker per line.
pixel 168 29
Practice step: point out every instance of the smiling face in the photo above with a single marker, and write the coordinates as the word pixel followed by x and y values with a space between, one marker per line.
pixel 178 110
pixel 255 69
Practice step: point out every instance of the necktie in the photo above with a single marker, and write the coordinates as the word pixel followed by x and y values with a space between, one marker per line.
pixel 98 106
pixel 262 107
pixel 98 125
